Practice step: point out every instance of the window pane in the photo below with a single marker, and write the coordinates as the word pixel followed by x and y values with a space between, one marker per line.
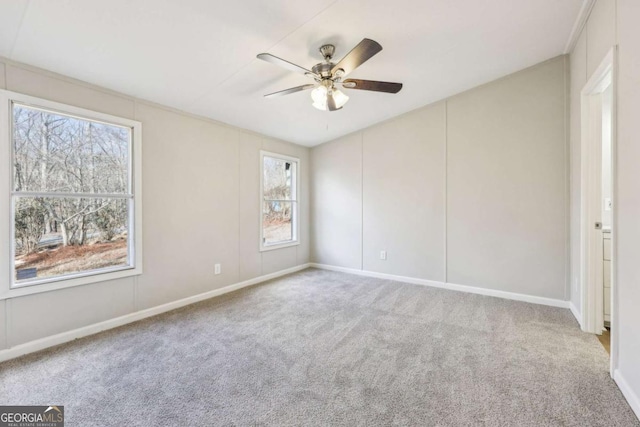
pixel 277 223
pixel 278 179
pixel 57 153
pixel 60 236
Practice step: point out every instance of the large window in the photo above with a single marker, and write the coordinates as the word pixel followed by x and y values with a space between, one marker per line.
pixel 279 197
pixel 73 192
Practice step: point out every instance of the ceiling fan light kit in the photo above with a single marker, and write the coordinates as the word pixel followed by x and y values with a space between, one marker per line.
pixel 321 94
pixel 327 75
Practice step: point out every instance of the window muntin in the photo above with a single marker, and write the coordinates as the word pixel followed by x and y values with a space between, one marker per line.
pixel 72 196
pixel 279 201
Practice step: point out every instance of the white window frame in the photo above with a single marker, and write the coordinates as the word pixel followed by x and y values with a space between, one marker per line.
pixel 295 214
pixel 10 288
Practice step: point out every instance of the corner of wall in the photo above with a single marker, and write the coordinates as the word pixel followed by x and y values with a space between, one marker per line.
pixel 3 75
pixel 627 392
pixel 3 324
pixel 567 153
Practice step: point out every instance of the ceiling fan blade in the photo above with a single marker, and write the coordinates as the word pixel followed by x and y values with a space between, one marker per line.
pixel 387 87
pixel 290 90
pixel 358 56
pixel 285 64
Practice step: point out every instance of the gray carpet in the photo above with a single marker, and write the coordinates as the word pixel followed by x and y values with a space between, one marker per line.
pixel 321 348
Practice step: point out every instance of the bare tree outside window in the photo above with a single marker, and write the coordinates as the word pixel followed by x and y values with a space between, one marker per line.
pixel 72 194
pixel 279 200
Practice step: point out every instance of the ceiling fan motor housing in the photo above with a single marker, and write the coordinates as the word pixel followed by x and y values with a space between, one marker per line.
pixel 323 69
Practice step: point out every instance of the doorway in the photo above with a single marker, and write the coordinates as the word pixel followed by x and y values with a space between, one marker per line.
pixel 597 222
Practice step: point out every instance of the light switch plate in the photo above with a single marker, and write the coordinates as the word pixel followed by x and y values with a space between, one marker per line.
pixel 218 269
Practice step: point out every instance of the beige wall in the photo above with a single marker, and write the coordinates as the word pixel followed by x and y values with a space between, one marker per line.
pixel 403 195
pixel 337 176
pixel 200 205
pixel 471 191
pixel 3 315
pixel 506 184
pixel 613 23
pixel 628 203
pixel 600 33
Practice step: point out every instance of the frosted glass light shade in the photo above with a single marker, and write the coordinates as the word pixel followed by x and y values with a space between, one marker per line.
pixel 319 96
pixel 340 98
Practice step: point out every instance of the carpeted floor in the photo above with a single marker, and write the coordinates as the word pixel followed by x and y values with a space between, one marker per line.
pixel 320 348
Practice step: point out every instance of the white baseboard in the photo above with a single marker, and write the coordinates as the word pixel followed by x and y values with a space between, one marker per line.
pixel 575 313
pixel 64 337
pixel 632 398
pixel 451 286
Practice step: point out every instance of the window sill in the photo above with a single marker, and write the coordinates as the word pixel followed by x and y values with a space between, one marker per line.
pixel 54 284
pixel 278 246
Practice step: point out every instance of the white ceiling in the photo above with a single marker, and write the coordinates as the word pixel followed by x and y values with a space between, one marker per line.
pixel 200 55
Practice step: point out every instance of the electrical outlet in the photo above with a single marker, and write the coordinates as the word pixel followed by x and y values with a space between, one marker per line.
pixel 218 269
pixel 383 255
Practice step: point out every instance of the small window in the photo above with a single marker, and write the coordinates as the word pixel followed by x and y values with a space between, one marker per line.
pixel 72 199
pixel 279 201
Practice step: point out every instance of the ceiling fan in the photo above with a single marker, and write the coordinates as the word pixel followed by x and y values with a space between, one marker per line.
pixel 325 94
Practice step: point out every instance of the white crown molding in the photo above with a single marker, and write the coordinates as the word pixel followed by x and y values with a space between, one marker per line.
pixel 578 25
pixel 450 286
pixel 43 343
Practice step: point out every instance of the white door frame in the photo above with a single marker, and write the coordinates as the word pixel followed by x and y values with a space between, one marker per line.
pixel 591 256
